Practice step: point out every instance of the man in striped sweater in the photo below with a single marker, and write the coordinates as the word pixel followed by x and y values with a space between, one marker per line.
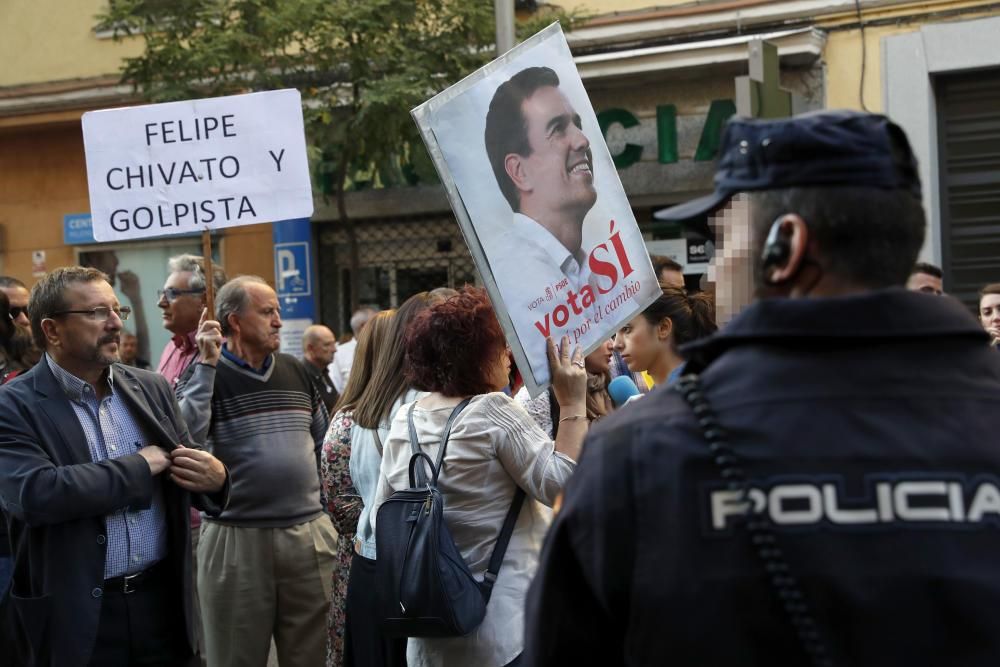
pixel 264 565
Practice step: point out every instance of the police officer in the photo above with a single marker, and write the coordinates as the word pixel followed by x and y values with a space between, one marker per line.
pixel 854 420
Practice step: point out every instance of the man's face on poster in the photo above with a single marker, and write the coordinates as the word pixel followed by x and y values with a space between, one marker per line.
pixel 558 174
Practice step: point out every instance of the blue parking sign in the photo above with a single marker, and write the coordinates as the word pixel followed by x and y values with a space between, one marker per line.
pixel 293 269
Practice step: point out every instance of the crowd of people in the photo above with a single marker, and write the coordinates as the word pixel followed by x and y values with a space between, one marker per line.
pixel 230 498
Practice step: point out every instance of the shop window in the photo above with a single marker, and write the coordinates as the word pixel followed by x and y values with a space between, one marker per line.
pixel 397 259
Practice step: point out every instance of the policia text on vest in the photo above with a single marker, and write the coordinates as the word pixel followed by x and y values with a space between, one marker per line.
pixel 885 499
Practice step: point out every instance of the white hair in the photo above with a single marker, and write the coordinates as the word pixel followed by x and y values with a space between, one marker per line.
pixel 195 265
pixel 233 298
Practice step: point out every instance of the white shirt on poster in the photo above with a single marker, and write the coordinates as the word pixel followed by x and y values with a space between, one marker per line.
pixel 534 271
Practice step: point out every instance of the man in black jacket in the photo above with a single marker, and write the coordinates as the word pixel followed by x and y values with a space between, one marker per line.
pixel 96 474
pixel 319 345
pixel 842 504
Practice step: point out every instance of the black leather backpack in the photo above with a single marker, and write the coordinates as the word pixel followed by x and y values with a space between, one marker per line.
pixel 425 588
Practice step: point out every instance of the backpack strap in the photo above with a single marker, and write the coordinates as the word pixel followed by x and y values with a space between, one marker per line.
pixel 420 476
pixel 420 480
pixel 444 438
pixel 496 558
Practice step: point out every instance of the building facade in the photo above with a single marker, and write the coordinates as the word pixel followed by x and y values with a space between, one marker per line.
pixel 53 68
pixel 660 77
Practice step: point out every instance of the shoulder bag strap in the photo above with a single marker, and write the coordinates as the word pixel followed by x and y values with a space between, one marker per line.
pixel 784 584
pixel 378 440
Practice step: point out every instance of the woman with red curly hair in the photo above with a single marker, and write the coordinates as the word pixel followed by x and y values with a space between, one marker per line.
pixel 456 350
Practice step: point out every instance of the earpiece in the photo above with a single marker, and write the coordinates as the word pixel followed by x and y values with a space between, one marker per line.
pixel 777 248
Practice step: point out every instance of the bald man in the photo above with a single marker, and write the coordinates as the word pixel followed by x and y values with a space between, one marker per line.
pixel 318 347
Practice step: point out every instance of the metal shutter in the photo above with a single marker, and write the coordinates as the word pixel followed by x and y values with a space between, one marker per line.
pixel 969 166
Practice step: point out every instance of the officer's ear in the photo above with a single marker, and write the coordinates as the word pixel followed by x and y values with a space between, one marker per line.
pixel 785 249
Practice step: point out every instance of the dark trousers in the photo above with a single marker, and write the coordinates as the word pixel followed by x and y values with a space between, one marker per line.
pixel 364 643
pixel 144 628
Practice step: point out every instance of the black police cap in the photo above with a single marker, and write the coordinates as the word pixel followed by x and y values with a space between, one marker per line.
pixel 813 149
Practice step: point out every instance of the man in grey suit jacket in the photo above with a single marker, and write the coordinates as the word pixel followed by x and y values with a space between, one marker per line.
pixel 97 474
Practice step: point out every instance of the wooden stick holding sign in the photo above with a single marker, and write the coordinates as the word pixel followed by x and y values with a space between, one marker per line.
pixel 206 253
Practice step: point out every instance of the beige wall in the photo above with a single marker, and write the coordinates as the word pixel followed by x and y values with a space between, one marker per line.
pixel 43 177
pixel 843 62
pixel 53 40
pixel 599 7
pixel 42 170
pixel 249 250
pixel 843 52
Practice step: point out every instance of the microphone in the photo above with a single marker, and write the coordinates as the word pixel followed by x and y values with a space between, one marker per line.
pixel 621 389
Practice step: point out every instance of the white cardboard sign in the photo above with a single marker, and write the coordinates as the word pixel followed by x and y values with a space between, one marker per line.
pixel 536 193
pixel 184 167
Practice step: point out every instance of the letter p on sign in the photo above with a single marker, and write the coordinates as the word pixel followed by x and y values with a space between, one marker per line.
pixel 293 273
pixel 286 267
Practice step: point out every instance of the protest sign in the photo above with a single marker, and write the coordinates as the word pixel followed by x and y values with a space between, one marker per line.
pixel 537 195
pixel 199 165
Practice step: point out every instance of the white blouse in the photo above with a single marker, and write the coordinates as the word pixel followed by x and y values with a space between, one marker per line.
pixel 494 447
pixel 539 407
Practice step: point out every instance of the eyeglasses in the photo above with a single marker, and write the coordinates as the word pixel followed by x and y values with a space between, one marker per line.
pixel 171 293
pixel 99 314
pixel 16 312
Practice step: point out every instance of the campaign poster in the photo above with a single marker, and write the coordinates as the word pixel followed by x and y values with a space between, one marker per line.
pixel 539 201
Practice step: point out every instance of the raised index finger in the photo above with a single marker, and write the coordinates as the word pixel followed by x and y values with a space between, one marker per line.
pixel 204 316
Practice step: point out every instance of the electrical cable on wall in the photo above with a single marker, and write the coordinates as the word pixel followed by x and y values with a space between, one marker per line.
pixel 864 56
